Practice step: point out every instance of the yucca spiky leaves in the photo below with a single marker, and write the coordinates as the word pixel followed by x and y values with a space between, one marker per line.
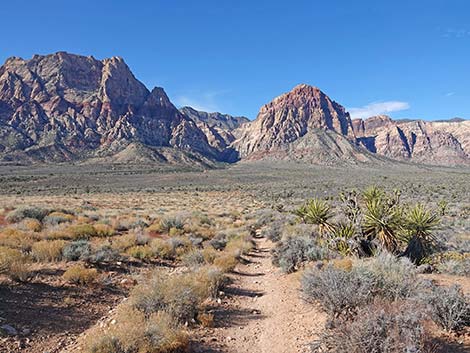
pixel 382 222
pixel 316 212
pixel 419 226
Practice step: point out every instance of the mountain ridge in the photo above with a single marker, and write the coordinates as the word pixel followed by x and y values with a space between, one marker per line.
pixel 66 107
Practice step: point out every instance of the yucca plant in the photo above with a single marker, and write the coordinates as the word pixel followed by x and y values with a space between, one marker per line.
pixel 341 237
pixel 373 193
pixel 316 212
pixel 419 226
pixel 383 223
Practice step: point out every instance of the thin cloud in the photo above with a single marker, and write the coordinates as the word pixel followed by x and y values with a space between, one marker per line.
pixel 449 94
pixel 378 108
pixel 455 33
pixel 206 101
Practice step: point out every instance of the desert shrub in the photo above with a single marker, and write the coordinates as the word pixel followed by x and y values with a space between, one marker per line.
pixel 175 295
pixel 81 231
pixel 180 245
pixel 455 267
pixel 142 252
pixel 30 224
pixel 218 242
pixel 162 249
pixel 380 327
pixel 124 242
pixel 14 264
pixel 340 290
pixel 293 251
pixel 55 218
pixel 448 306
pixel 209 280
pixel 209 255
pixel 176 221
pixel 76 250
pixel 103 230
pixel 193 258
pixel 273 231
pixel 104 254
pixel 239 245
pixel 337 290
pixel 395 278
pixel 48 250
pixel 23 212
pixel 80 275
pixel 17 239
pixel 226 262
pixel 104 344
pixel 136 332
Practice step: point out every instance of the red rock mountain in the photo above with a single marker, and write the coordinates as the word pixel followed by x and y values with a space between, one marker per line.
pixel 64 107
pixel 302 124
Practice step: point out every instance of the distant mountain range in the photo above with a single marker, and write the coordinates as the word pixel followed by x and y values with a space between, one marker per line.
pixel 69 108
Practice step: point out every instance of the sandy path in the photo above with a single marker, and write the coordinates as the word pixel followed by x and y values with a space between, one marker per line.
pixel 264 312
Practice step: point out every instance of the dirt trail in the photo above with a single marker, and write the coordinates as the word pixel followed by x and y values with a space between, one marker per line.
pixel 264 312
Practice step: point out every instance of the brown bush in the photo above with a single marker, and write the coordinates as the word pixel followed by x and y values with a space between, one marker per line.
pixel 48 250
pixel 80 275
pixel 226 262
pixel 17 239
pixel 14 264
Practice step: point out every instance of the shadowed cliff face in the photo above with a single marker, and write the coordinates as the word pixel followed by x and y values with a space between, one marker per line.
pixel 83 106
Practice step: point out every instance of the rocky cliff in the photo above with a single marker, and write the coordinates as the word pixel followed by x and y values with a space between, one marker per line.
pixel 444 143
pixel 63 107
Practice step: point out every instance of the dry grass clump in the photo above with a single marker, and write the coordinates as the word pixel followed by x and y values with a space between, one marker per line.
pixel 48 250
pixel 162 249
pixel 141 252
pixel 179 295
pixel 14 264
pixel 136 332
pixel 103 230
pixel 30 225
pixel 17 239
pixel 226 262
pixel 123 242
pixel 78 274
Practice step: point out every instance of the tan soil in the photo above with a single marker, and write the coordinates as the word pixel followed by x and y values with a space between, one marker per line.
pixel 264 311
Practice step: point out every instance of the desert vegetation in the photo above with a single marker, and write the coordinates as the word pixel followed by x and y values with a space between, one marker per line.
pixel 159 269
pixel 364 256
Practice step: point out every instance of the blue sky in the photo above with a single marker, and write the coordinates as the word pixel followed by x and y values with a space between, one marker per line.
pixel 410 59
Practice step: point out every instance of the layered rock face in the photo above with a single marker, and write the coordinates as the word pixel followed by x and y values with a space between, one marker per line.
pixel 444 143
pixel 302 124
pixel 64 107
